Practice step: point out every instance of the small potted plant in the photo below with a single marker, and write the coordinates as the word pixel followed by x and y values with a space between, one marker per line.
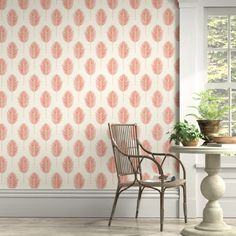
pixel 185 133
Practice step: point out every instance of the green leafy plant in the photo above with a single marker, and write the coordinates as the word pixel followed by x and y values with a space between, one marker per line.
pixel 210 106
pixel 184 132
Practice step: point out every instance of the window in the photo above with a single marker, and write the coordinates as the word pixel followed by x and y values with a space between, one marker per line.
pixel 221 60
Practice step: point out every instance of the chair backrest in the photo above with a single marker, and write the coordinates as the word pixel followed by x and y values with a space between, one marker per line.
pixel 124 137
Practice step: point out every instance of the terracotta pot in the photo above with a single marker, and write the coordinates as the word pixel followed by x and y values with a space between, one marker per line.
pixel 191 143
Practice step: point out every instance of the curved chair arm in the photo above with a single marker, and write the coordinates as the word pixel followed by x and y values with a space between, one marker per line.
pixel 165 155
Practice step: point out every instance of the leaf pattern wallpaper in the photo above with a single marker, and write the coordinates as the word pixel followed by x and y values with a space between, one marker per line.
pixel 67 68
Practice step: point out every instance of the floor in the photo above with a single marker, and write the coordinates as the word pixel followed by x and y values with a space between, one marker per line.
pixel 91 227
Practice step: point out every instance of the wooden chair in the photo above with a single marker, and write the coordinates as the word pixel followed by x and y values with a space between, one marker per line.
pixel 128 160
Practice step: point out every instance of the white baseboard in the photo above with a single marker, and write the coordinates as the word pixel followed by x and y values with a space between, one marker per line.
pixel 83 203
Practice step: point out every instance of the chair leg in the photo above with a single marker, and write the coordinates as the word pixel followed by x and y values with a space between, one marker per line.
pixel 140 191
pixel 161 209
pixel 184 203
pixel 114 205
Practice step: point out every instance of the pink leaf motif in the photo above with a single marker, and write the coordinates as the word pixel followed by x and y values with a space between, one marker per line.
pixel 168 82
pixel 34 148
pixel 123 50
pixel 3 132
pixel 45 132
pixel 45 66
pixel 45 99
pixel 79 181
pixel 146 50
pixel 3 99
pixel 3 164
pixel 45 165
pixel 12 148
pixel 101 83
pixel 34 83
pixel 101 17
pixel 123 17
pixel 68 66
pixel 23 132
pixel 3 4
pixel 56 17
pixel 146 115
pixel 157 3
pixel 112 99
pixel 45 4
pixel 34 180
pixel 23 34
pixel 3 34
pixel 157 132
pixel 134 66
pixel 101 181
pixel 112 66
pixel 23 99
pixel 68 99
pixel 23 66
pixel 56 148
pixel 34 17
pixel 145 82
pixel 12 17
pixel 112 4
pixel 134 33
pixel 56 50
pixel 56 181
pixel 157 33
pixel 101 115
pixel 147 146
pixel 56 116
pixel 34 115
pixel 90 66
pixel 68 4
pixel 56 83
pixel 157 66
pixel 101 148
pixel 157 99
pixel 111 165
pixel 78 83
pixel 177 66
pixel 90 132
pixel 67 34
pixel 78 148
pixel 78 116
pixel 11 84
pixel 168 16
pixel 123 115
pixel 79 17
pixel 3 66
pixel 168 50
pixel 90 4
pixel 146 17
pixel 134 4
pixel 68 132
pixel 177 33
pixel 123 83
pixel 78 50
pixel 168 115
pixel 45 34
pixel 12 180
pixel 134 99
pixel 101 50
pixel 90 165
pixel 12 116
pixel 90 33
pixel 12 50
pixel 23 164
pixel 34 50
pixel 177 99
pixel 112 33
pixel 90 99
pixel 23 4
pixel 67 165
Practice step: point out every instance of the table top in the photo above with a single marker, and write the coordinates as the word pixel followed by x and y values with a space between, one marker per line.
pixel 209 149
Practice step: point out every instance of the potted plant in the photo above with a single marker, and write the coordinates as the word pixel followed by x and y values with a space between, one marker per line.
pixel 185 133
pixel 211 110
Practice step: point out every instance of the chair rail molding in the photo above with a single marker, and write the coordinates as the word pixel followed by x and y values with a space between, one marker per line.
pixel 193 78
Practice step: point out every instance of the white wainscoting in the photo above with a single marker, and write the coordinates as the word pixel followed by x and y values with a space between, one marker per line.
pixel 83 203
